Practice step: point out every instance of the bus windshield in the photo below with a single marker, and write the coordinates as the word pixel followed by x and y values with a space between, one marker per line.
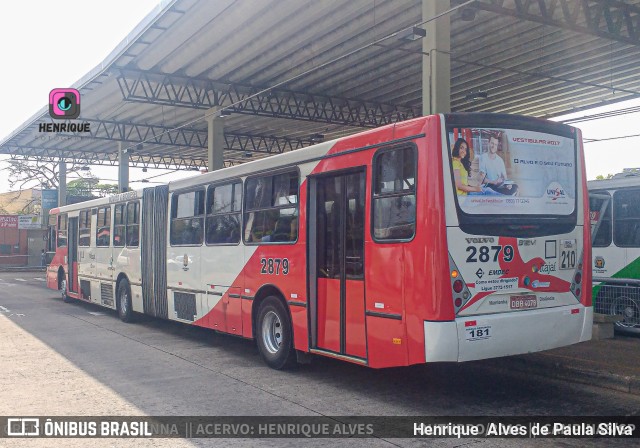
pixel 503 175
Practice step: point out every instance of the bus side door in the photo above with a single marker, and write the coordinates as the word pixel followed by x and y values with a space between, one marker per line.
pixel 337 270
pixel 104 258
pixel 184 262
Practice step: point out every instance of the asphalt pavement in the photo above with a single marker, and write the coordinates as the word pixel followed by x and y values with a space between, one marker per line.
pixel 609 363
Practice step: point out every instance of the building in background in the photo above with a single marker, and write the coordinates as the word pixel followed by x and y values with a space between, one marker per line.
pixel 21 202
pixel 23 229
pixel 22 239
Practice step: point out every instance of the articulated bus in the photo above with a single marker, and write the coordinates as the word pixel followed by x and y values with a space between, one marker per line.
pixel 444 238
pixel 615 216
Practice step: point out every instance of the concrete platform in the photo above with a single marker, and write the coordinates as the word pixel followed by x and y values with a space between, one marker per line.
pixel 609 363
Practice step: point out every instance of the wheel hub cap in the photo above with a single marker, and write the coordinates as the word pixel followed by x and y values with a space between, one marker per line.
pixel 272 332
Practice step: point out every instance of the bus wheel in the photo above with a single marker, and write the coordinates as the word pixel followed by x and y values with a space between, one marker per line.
pixel 629 309
pixel 274 334
pixel 63 291
pixel 124 302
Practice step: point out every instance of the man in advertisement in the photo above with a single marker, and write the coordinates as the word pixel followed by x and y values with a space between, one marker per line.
pixel 493 170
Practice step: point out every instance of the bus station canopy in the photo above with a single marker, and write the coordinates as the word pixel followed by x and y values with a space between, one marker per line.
pixel 290 73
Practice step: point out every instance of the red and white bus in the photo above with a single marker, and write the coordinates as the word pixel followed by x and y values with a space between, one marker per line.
pixel 380 248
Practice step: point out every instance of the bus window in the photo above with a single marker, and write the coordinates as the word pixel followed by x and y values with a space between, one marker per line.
pixel 51 235
pixel 119 225
pixel 133 223
pixel 271 214
pixel 514 182
pixel 187 211
pixel 626 218
pixel 84 228
pixel 103 228
pixel 603 236
pixel 394 197
pixel 62 231
pixel 224 204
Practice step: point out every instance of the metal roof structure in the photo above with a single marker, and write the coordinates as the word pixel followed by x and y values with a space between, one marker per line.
pixel 295 72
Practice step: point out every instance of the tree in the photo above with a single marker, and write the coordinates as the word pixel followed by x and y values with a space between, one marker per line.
pixel 104 190
pixel 601 177
pixel 82 187
pixel 90 186
pixel 35 173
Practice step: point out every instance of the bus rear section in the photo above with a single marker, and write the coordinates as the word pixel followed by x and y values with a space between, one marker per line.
pixel 518 247
pixel 57 273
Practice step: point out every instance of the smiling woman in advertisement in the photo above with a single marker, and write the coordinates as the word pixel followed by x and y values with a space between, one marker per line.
pixel 461 163
pixel 460 160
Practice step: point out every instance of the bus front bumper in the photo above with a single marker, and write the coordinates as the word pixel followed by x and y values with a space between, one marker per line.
pixel 493 335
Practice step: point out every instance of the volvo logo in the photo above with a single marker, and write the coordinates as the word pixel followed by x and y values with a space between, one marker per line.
pixel 480 240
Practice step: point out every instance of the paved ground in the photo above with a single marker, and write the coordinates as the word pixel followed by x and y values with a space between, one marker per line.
pixel 79 359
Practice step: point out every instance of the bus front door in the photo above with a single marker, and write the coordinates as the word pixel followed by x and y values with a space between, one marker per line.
pixel 336 254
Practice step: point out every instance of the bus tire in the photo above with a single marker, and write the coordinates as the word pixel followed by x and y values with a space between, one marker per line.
pixel 275 335
pixel 124 301
pixel 629 309
pixel 64 291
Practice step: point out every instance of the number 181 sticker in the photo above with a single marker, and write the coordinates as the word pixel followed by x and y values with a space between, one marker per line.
pixel 478 333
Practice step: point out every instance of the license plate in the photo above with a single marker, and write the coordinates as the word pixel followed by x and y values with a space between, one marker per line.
pixel 523 302
pixel 568 254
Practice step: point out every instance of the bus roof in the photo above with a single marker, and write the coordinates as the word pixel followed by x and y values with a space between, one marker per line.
pixel 632 180
pixel 290 158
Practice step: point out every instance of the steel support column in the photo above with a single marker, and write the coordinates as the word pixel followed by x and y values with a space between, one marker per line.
pixel 123 168
pixel 215 141
pixel 436 68
pixel 62 183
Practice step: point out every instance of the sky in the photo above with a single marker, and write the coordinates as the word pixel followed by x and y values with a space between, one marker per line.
pixel 34 59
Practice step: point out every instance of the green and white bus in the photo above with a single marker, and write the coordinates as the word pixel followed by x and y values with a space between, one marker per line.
pixel 615 218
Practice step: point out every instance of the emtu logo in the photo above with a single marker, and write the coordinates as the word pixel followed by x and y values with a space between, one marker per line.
pixel 64 104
